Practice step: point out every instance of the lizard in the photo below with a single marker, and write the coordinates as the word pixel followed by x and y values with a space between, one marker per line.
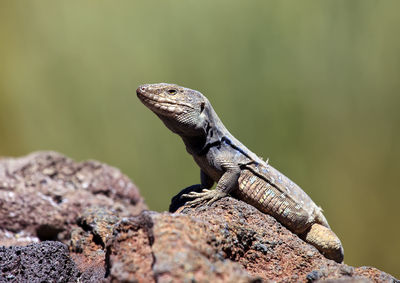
pixel 236 170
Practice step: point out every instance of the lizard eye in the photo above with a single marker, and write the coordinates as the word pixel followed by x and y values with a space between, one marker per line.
pixel 172 91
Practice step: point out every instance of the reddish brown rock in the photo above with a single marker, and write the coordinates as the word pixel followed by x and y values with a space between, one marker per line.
pixel 157 247
pixel 87 245
pixel 129 253
pixel 184 252
pixel 227 242
pixel 267 249
pixel 99 213
pixel 43 194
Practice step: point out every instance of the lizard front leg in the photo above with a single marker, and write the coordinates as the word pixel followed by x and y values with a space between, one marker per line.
pixel 227 182
pixel 177 201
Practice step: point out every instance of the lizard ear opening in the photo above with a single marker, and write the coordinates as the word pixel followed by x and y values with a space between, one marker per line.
pixel 202 105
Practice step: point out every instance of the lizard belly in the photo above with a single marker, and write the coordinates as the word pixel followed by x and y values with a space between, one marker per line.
pixel 268 199
pixel 208 166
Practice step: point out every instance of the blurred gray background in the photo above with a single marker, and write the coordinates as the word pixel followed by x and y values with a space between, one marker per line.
pixel 313 85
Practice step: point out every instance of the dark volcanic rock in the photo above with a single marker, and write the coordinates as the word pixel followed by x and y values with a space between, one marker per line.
pixel 43 262
pixel 43 194
pixel 99 213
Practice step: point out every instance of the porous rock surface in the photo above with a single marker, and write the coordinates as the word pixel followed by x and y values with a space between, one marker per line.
pixel 47 261
pixel 100 231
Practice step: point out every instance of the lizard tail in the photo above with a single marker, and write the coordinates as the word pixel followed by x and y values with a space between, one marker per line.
pixel 319 217
pixel 326 241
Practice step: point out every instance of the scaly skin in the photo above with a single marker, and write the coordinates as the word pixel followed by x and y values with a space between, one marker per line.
pixel 236 170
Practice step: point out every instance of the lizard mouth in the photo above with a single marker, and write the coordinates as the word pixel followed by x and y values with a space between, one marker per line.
pixel 158 104
pixel 160 107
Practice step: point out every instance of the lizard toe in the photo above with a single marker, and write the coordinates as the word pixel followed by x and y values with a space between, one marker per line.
pixel 196 201
pixel 206 195
pixel 203 193
pixel 216 196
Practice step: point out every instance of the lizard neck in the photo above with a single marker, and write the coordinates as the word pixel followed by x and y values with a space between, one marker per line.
pixel 211 135
pixel 214 134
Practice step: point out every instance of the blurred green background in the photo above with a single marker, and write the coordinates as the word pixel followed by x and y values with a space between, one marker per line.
pixel 313 85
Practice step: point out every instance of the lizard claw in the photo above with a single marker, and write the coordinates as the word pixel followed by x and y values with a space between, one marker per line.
pixel 206 195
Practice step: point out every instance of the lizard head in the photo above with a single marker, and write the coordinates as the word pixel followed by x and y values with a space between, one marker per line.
pixel 181 109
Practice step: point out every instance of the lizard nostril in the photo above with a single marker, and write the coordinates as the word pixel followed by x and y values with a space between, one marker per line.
pixel 141 89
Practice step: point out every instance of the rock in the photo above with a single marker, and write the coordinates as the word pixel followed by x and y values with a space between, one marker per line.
pixel 227 242
pixel 268 250
pixel 129 253
pixel 42 262
pixel 88 242
pixel 99 215
pixel 8 238
pixel 156 247
pixel 43 194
